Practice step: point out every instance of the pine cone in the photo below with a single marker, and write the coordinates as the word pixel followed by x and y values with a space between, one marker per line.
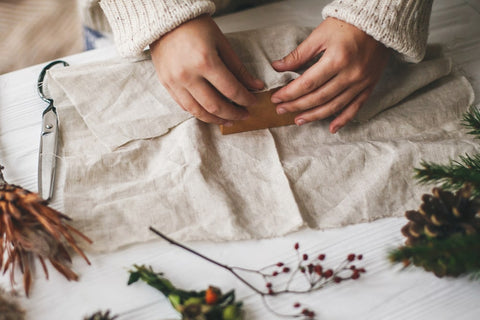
pixel 441 215
pixel 29 228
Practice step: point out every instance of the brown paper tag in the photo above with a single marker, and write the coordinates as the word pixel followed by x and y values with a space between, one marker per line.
pixel 262 116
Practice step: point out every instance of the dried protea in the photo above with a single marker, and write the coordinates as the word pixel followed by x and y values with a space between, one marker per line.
pixel 9 309
pixel 101 316
pixel 30 228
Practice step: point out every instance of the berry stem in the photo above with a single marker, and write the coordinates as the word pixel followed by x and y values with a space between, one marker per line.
pixel 230 269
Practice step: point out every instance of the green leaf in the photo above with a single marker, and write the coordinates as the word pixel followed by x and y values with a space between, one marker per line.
pixel 134 277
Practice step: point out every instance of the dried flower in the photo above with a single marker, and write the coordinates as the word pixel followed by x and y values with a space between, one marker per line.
pixel 29 229
pixel 101 316
pixel 9 309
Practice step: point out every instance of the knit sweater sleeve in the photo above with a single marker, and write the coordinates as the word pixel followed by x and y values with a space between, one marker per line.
pixel 137 23
pixel 399 24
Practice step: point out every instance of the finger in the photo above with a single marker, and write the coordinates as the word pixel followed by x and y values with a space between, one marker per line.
pixel 350 111
pixel 214 103
pixel 330 108
pixel 185 99
pixel 320 96
pixel 305 51
pixel 172 94
pixel 227 84
pixel 235 65
pixel 310 80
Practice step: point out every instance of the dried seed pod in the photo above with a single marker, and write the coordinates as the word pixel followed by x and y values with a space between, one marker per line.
pixel 30 228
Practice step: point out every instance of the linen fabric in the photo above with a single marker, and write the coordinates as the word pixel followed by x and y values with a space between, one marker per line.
pixel 132 158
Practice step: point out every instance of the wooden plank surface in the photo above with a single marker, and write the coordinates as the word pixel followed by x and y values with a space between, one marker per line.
pixel 384 293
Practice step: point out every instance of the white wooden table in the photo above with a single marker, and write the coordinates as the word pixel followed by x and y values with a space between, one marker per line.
pixel 384 293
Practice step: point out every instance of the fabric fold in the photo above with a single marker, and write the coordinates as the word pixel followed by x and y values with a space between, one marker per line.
pixel 132 158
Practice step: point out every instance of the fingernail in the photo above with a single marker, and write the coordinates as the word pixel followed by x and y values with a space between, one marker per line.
pixel 281 111
pixel 228 124
pixel 276 100
pixel 300 122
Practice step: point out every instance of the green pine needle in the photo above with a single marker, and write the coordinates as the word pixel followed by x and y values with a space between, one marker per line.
pixel 453 175
pixel 454 256
pixel 456 173
pixel 471 120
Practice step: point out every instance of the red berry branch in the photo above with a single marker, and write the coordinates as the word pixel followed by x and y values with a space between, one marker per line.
pixel 316 276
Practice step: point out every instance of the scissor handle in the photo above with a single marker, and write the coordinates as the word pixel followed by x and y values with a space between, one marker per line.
pixel 41 77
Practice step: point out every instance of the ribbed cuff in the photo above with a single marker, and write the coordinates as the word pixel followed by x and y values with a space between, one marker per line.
pixel 137 23
pixel 399 24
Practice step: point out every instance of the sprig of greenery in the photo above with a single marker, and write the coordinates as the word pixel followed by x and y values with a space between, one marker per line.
pixel 453 256
pixel 471 120
pixel 456 173
pixel 452 176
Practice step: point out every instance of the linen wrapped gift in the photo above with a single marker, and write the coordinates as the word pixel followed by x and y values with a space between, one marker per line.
pixel 132 158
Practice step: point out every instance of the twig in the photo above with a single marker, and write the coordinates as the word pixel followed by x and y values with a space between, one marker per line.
pixel 230 269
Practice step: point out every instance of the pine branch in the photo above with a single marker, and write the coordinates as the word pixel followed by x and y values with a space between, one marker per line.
pixel 453 175
pixel 456 173
pixel 471 120
pixel 454 256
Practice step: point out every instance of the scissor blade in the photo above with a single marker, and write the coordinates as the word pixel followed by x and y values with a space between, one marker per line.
pixel 47 154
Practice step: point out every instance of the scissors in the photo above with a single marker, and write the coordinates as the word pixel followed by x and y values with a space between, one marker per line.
pixel 47 154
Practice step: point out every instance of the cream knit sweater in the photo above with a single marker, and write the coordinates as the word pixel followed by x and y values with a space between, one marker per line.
pixel 399 24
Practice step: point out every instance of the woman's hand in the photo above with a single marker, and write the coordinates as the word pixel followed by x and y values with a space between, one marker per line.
pixel 340 82
pixel 196 64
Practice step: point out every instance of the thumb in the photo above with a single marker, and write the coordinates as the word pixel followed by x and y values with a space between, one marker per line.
pixel 306 51
pixel 235 65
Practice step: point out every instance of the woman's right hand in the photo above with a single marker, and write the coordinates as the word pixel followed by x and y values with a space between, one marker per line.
pixel 203 74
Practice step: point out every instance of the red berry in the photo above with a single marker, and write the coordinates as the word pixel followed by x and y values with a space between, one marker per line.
pixel 270 292
pixel 310 268
pixel 305 257
pixel 296 246
pixel 268 284
pixel 362 270
pixel 327 274
pixel 352 267
pixel 355 275
pixel 275 273
pixel 302 269
pixel 360 257
pixel 351 257
pixel 337 279
pixel 280 264
pixel 296 305
pixel 286 269
pixel 321 257
pixel 318 269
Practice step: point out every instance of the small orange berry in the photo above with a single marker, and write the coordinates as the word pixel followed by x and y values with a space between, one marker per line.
pixel 212 294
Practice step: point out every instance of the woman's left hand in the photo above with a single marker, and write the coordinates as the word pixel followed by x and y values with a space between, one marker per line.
pixel 342 79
